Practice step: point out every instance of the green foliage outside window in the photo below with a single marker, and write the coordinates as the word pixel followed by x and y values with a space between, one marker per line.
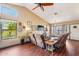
pixel 8 29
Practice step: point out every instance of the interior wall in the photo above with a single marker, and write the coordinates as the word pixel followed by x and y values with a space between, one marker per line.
pixel 74 32
pixel 24 15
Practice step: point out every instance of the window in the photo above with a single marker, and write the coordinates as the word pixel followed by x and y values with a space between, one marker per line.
pixel 57 30
pixel 8 11
pixel 8 29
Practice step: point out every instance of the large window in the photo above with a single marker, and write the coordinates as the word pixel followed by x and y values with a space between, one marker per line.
pixel 8 11
pixel 8 29
pixel 57 30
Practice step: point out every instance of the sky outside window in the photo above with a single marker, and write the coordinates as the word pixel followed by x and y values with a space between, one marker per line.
pixel 8 11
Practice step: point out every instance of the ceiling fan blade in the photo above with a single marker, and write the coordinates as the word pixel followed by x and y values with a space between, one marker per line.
pixel 42 8
pixel 35 7
pixel 42 4
pixel 47 4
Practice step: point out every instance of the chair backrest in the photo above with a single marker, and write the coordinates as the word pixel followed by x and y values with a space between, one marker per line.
pixel 44 38
pixel 63 40
pixel 33 39
pixel 39 40
pixel 60 38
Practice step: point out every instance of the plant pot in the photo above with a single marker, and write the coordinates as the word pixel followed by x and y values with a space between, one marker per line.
pixel 22 41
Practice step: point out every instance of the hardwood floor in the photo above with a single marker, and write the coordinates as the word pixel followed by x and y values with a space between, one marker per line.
pixel 72 49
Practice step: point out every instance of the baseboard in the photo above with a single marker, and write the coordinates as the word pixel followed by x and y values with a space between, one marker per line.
pixel 74 40
pixel 13 45
pixel 9 46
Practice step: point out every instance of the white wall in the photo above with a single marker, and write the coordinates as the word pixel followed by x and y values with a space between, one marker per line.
pixel 75 32
pixel 8 42
pixel 24 15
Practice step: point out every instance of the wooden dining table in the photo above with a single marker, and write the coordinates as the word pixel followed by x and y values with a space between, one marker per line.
pixel 49 44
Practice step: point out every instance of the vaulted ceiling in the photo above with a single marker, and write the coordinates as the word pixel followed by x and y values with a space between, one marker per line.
pixel 58 12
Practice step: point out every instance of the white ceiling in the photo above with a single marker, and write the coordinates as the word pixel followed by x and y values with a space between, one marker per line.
pixel 65 11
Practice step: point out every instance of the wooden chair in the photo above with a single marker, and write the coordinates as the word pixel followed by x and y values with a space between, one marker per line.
pixel 32 39
pixel 46 39
pixel 61 43
pixel 39 40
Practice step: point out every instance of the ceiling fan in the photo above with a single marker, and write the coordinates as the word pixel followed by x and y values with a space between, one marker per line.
pixel 41 5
